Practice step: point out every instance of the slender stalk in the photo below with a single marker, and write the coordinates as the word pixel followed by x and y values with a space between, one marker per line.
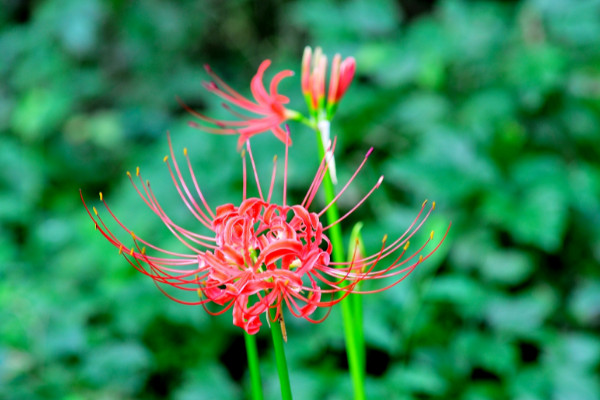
pixel 352 328
pixel 356 244
pixel 356 301
pixel 253 366
pixel 282 369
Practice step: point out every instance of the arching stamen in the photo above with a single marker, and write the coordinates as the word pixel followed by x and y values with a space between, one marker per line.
pixel 254 169
pixel 347 183
pixel 272 179
pixel 356 205
pixel 244 177
pixel 285 164
pixel 197 187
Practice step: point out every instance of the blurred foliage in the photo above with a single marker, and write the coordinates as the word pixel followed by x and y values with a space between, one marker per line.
pixel 490 108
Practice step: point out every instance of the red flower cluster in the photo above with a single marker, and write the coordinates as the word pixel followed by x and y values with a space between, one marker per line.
pixel 268 107
pixel 258 256
pixel 268 110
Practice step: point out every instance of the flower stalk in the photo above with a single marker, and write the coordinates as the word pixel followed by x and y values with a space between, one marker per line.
pixel 353 331
pixel 253 367
pixel 277 333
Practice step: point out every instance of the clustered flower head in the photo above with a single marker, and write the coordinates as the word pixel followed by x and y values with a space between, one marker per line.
pixel 268 108
pixel 258 256
pixel 268 111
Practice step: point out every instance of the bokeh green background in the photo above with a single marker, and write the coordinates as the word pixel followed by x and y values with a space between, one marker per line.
pixel 490 108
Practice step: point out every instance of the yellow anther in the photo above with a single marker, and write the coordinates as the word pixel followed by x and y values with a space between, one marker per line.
pixel 275 158
pixel 185 151
pixel 131 252
pixel 95 226
pixel 425 202
pixel 420 258
pixel 137 171
pixel 133 235
pixel 165 159
pixel 101 199
pixel 384 238
pixel 200 294
pixel 431 236
pixel 120 249
pixel 406 245
pixel 129 174
pixel 147 182
pixel 243 153
pixel 95 211
pixel 144 250
pixel 433 205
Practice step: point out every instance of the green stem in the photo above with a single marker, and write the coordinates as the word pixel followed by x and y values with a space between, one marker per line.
pixel 356 246
pixel 253 366
pixel 282 369
pixel 352 327
pixel 356 301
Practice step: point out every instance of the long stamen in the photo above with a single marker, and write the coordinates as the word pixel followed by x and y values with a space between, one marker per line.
pixel 254 169
pixel 285 165
pixel 272 179
pixel 356 205
pixel 244 177
pixel 347 183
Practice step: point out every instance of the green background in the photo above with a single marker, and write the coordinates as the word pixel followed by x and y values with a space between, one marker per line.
pixel 492 109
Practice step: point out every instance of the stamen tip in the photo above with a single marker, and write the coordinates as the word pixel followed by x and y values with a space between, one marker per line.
pixel 131 252
pixel 431 235
pixel 120 249
pixel 369 152
pixel 420 258
pixel 406 245
pixel 137 171
pixel 101 199
pixel 129 174
pixel 275 158
pixel 165 158
pixel 185 151
pixel 95 211
pixel 433 205
pixel 384 238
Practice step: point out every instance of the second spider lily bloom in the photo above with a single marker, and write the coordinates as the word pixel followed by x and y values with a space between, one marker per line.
pixel 267 111
pixel 258 256
pixel 314 70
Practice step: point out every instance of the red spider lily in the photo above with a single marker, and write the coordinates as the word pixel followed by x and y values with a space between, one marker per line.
pixel 258 256
pixel 268 107
pixel 314 68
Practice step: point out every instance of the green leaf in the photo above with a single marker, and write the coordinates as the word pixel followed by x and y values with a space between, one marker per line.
pixel 523 314
pixel 509 267
pixel 584 303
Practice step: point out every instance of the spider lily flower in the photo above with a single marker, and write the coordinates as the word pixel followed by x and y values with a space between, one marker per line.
pixel 314 66
pixel 267 111
pixel 258 257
